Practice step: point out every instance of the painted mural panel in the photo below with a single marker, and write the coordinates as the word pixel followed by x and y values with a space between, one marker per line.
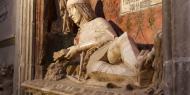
pixel 142 19
pixel 128 6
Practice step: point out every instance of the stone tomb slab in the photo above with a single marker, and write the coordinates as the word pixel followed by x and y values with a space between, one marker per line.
pixel 68 87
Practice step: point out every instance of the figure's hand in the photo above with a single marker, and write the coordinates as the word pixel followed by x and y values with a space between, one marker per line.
pixel 72 51
pixel 59 54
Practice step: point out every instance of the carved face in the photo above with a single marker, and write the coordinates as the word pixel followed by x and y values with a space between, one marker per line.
pixel 74 14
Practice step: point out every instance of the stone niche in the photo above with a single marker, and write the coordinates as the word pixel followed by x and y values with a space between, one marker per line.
pixel 53 37
pixel 141 22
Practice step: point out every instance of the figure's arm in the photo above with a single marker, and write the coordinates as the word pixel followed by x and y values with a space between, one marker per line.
pixel 101 38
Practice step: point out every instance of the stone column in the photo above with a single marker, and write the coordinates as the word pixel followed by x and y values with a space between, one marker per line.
pixel 176 29
pixel 24 39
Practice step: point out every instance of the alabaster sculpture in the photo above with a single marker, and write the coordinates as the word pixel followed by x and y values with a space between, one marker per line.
pixel 111 58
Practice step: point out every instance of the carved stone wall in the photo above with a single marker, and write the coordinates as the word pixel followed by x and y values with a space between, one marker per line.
pixel 7 45
pixel 176 47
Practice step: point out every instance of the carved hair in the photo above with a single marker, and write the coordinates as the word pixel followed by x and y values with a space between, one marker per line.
pixel 86 10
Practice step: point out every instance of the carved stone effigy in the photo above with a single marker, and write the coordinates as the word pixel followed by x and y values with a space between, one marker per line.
pixel 99 55
pixel 116 59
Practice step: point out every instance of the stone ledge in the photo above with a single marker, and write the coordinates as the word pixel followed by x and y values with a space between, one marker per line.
pixel 67 87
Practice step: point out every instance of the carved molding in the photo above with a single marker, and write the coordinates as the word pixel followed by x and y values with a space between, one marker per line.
pixel 24 39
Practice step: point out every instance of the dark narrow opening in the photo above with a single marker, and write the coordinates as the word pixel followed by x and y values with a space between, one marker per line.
pixel 55 39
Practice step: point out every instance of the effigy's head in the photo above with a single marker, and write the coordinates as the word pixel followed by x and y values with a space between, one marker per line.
pixel 80 9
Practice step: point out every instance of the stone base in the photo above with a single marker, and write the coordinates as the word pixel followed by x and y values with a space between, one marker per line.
pixel 68 87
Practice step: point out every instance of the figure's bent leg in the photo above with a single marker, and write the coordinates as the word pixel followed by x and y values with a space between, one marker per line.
pixel 123 50
pixel 128 50
pixel 101 70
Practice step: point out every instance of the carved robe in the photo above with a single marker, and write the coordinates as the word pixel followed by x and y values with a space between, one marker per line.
pixel 120 63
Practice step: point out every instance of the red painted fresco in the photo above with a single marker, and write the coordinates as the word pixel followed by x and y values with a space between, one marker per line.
pixel 141 26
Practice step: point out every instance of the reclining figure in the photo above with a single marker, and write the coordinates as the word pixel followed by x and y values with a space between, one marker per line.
pixel 116 58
